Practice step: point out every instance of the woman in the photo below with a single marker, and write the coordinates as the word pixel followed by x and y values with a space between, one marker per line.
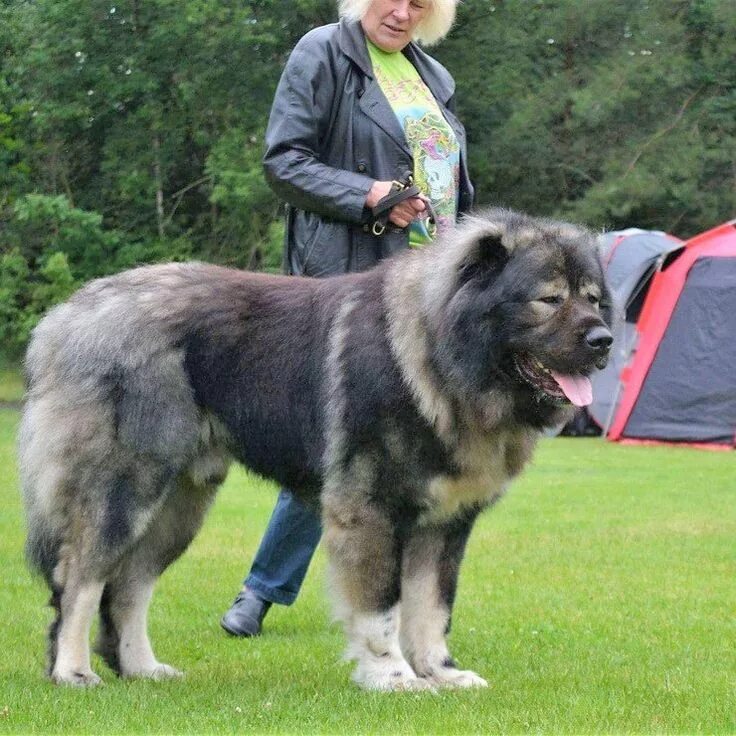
pixel 358 106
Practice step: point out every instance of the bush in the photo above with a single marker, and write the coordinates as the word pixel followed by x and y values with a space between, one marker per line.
pixel 25 296
pixel 50 249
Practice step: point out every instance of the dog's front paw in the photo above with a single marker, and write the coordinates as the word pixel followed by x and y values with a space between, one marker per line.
pixel 157 671
pixel 164 672
pixel 388 676
pixel 151 671
pixel 76 678
pixel 449 677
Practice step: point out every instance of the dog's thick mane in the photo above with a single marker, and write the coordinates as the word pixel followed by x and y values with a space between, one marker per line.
pixel 418 288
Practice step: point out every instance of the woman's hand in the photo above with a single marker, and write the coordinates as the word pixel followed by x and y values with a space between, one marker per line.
pixel 402 214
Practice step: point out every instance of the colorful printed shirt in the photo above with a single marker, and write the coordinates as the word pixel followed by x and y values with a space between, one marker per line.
pixel 431 140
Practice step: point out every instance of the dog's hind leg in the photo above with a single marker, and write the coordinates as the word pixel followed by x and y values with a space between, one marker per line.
pixel 123 638
pixel 105 521
pixel 430 566
pixel 76 599
pixel 365 568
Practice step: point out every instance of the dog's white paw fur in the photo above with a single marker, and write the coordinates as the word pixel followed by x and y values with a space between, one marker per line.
pixel 450 677
pixel 374 643
pixel 76 678
pixel 388 675
pixel 157 671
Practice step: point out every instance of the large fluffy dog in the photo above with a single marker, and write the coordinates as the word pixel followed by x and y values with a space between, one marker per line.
pixel 406 398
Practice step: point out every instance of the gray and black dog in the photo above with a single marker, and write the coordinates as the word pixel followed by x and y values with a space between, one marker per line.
pixel 403 399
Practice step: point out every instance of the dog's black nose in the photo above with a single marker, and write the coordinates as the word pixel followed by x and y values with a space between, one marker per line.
pixel 599 338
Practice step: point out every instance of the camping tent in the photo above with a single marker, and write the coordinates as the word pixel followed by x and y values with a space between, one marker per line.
pixel 673 374
pixel 631 258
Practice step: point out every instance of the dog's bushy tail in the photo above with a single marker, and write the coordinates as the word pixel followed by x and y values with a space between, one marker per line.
pixel 42 554
pixel 42 548
pixel 43 522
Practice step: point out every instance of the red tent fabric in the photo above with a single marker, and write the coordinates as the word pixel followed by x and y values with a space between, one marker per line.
pixel 667 375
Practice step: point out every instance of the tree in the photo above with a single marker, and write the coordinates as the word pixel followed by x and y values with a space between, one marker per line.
pixel 132 132
pixel 616 114
pixel 136 101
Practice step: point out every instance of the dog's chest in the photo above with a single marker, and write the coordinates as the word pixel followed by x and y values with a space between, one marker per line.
pixel 487 465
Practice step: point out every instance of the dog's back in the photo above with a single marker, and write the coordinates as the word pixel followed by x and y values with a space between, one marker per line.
pixel 136 400
pixel 147 370
pixel 151 364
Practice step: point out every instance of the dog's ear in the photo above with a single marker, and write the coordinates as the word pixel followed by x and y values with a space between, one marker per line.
pixel 487 257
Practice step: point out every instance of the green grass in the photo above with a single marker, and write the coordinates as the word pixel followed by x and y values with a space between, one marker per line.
pixel 11 384
pixel 598 597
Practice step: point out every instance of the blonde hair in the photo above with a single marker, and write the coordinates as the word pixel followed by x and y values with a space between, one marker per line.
pixel 433 27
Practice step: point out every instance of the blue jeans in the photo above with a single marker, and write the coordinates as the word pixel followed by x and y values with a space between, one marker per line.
pixel 286 550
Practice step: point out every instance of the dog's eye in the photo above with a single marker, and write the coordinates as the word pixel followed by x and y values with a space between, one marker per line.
pixel 593 299
pixel 556 299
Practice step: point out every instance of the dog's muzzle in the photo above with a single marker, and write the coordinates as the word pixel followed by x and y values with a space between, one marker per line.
pixel 599 339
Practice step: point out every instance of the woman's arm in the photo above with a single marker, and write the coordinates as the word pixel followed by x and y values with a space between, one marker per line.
pixel 297 127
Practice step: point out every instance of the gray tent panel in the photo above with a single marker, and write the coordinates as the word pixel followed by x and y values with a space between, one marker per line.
pixel 634 260
pixel 631 257
pixel 606 383
pixel 689 393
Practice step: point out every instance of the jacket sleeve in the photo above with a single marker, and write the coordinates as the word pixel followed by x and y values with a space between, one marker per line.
pixel 298 128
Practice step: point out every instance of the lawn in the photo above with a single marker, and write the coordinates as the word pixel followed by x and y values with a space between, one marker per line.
pixel 598 597
pixel 11 384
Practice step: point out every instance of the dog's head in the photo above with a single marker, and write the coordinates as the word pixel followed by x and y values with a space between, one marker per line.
pixel 529 309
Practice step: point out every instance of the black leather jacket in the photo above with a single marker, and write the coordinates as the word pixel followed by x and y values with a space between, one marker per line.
pixel 331 134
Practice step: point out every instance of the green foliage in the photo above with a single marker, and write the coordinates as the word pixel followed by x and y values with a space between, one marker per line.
pixel 133 99
pixel 25 296
pixel 14 117
pixel 132 132
pixel 13 300
pixel 245 206
pixel 56 283
pixel 615 114
pixel 14 171
pixel 49 249
pixel 42 225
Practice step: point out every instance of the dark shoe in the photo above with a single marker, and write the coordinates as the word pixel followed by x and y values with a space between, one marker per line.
pixel 246 614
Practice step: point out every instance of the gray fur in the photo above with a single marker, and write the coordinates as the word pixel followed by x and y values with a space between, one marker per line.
pixel 390 396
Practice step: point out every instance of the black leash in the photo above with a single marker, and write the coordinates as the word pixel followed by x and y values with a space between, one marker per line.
pixel 401 189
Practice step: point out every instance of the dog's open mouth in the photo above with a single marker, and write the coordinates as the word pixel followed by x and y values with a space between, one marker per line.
pixel 560 387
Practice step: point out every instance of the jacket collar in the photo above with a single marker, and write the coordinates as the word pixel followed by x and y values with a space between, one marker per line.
pixel 352 44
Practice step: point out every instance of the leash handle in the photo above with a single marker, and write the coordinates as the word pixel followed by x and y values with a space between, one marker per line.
pixel 401 189
pixel 379 224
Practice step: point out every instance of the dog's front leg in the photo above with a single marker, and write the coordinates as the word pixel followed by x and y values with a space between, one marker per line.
pixel 430 566
pixel 364 569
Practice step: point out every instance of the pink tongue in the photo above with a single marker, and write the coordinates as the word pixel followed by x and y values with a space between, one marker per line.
pixel 577 388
